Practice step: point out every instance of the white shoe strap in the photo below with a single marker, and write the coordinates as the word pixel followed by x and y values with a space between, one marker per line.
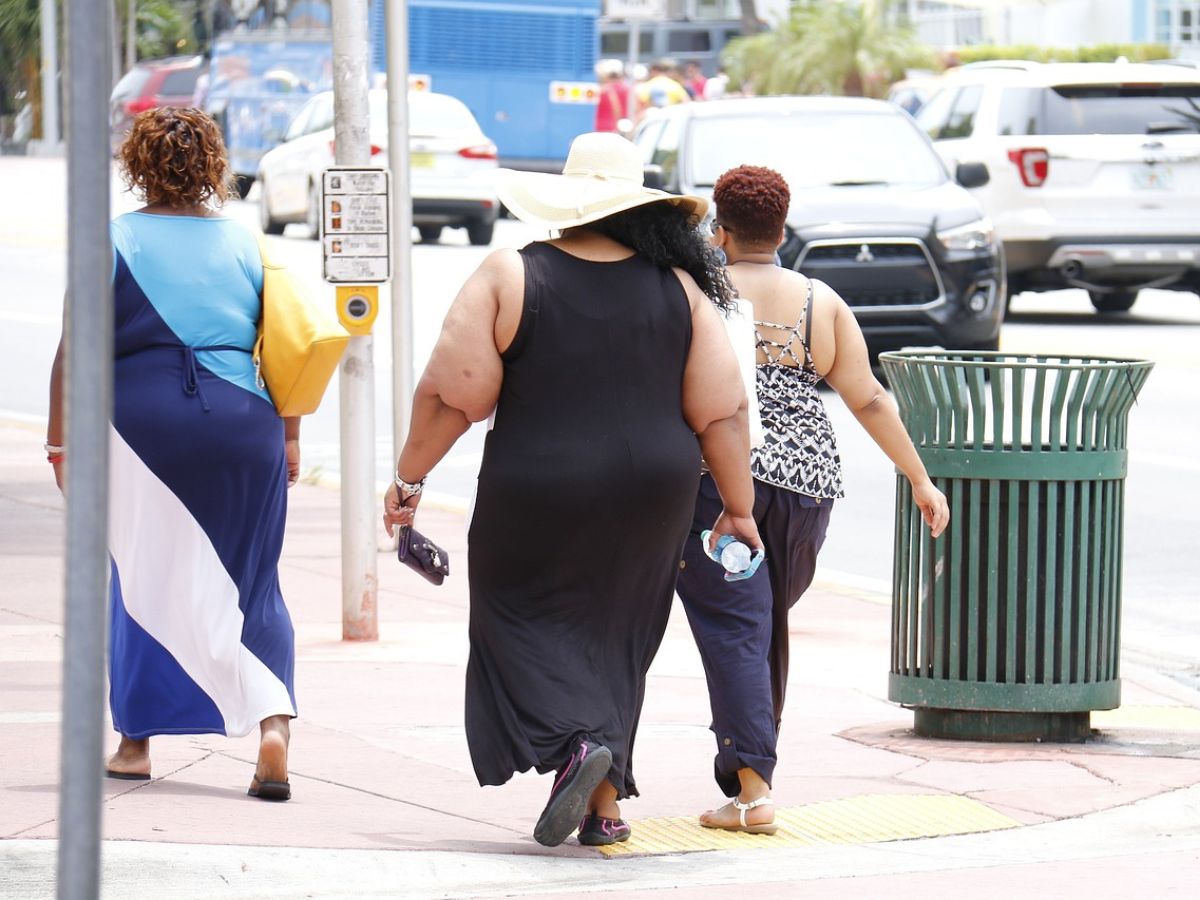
pixel 742 808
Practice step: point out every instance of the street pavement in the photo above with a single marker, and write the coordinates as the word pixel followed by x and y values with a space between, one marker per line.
pixel 385 803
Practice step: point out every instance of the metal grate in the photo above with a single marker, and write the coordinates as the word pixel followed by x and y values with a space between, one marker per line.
pixel 875 274
pixel 852 251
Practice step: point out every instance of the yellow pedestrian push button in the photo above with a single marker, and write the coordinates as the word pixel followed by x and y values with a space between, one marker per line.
pixel 357 306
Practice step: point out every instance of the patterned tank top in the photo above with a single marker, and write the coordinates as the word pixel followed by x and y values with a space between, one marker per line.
pixel 799 451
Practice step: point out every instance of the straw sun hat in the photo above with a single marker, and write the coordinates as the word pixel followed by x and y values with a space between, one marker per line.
pixel 602 176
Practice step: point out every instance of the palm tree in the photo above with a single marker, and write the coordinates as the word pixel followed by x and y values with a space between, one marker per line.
pixel 827 47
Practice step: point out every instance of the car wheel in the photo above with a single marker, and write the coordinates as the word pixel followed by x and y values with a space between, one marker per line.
pixel 269 224
pixel 243 183
pixel 480 233
pixel 1116 302
pixel 312 217
pixel 430 234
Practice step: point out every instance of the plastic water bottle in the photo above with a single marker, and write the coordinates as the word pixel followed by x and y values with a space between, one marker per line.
pixel 735 557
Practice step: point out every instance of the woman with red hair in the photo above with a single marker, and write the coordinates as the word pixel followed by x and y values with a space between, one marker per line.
pixel 200 640
pixel 804 333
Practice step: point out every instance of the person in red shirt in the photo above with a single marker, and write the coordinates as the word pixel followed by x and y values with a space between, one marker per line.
pixel 612 109
pixel 693 77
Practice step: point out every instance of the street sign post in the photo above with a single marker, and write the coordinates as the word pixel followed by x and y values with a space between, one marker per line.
pixel 350 253
pixel 396 20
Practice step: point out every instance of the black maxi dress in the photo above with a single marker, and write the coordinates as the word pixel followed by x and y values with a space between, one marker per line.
pixel 585 497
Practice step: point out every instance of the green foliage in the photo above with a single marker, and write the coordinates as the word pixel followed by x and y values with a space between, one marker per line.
pixel 826 48
pixel 19 43
pixel 1096 53
pixel 164 28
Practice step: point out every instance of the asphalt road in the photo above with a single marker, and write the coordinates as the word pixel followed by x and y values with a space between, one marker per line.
pixel 1162 524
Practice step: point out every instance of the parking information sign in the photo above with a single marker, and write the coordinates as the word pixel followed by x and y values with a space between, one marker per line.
pixel 355 205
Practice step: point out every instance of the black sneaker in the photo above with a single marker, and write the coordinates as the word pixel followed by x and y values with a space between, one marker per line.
pixel 597 831
pixel 572 789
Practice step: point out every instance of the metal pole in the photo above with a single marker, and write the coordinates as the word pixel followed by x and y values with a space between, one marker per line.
pixel 402 313
pixel 130 34
pixel 89 346
pixel 50 130
pixel 356 386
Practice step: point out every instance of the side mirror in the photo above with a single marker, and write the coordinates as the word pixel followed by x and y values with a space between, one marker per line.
pixel 652 177
pixel 972 174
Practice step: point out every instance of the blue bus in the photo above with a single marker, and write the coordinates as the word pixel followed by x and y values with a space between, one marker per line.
pixel 525 68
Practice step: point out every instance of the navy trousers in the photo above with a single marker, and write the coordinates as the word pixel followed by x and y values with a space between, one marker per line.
pixel 741 627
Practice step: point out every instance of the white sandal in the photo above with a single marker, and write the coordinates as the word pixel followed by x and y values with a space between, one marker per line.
pixel 743 808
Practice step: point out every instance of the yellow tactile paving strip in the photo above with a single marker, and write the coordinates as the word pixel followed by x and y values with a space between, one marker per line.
pixel 1164 718
pixel 853 820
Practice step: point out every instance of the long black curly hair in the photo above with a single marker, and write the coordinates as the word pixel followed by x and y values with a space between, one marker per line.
pixel 668 235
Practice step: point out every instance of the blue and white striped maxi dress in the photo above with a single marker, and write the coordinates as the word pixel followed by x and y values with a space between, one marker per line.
pixel 200 639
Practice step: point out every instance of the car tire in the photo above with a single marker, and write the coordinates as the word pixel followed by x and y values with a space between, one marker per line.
pixel 430 234
pixel 480 233
pixel 312 215
pixel 1115 302
pixel 243 183
pixel 266 221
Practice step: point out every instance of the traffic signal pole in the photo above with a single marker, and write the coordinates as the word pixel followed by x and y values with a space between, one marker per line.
pixel 402 311
pixel 356 384
pixel 89 363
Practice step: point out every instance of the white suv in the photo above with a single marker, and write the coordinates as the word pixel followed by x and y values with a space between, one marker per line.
pixel 1095 170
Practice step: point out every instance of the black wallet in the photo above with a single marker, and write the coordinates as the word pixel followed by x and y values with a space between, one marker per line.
pixel 422 555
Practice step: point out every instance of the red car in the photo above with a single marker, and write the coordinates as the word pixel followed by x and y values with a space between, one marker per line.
pixel 149 84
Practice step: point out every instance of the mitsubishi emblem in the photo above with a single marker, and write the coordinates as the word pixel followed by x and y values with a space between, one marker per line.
pixel 864 254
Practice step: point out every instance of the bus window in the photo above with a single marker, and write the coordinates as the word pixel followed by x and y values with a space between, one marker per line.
pixel 688 41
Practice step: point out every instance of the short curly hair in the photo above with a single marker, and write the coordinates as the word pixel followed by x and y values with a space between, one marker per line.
pixel 176 157
pixel 752 201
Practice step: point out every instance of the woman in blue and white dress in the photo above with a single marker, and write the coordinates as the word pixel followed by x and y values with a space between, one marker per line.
pixel 200 639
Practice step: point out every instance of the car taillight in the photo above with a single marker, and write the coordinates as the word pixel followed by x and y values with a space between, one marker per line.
pixel 1033 164
pixel 479 151
pixel 140 105
pixel 375 149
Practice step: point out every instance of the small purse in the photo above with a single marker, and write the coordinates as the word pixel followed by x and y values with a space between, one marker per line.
pixel 299 344
pixel 422 555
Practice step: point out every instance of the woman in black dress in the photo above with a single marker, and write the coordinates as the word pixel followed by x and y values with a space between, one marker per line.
pixel 610 374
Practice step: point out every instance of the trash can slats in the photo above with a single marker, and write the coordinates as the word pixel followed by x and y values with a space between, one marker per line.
pixel 1008 626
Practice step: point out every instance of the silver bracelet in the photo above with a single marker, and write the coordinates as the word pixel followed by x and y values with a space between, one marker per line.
pixel 408 489
pixel 54 449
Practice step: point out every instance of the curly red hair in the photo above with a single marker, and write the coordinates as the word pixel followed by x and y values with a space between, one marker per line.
pixel 176 157
pixel 752 201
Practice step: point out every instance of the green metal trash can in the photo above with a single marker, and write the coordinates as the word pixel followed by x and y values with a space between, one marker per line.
pixel 1008 626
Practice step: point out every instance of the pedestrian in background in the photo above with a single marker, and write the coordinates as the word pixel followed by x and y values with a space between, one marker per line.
pixel 716 87
pixel 200 640
pixel 693 77
pixel 660 88
pixel 612 107
pixel 609 373
pixel 805 333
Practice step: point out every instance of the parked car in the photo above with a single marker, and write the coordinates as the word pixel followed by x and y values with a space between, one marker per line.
pixel 910 94
pixel 150 84
pixel 452 165
pixel 874 213
pixel 1095 171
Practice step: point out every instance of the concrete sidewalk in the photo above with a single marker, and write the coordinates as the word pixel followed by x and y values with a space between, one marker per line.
pixel 386 805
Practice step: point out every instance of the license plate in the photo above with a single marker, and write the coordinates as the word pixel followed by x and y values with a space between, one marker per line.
pixel 421 160
pixel 1153 178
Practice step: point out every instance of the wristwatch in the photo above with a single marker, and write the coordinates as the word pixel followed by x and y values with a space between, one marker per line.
pixel 406 489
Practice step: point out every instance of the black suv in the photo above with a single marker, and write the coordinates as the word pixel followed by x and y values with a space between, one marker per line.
pixel 874 213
